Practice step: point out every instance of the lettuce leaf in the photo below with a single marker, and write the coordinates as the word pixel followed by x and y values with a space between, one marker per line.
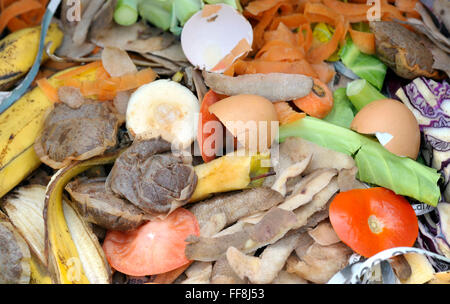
pixel 376 165
pixel 343 111
pixel 367 67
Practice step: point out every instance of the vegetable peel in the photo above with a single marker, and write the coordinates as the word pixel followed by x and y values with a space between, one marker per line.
pixel 376 165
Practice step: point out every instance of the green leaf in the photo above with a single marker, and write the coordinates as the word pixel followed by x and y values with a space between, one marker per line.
pixel 365 66
pixel 402 175
pixel 376 165
pixel 342 113
pixel 323 133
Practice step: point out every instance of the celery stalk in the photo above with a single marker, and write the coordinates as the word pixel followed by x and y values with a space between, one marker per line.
pixel 184 9
pixel 376 165
pixel 174 27
pixel 155 13
pixel 126 12
pixel 361 92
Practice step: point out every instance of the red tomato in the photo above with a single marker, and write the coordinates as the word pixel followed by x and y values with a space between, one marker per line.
pixel 206 139
pixel 372 220
pixel 155 247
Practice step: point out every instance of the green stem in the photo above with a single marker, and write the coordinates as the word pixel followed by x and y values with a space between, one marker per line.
pixel 126 12
pixel 361 92
pixel 184 9
pixel 155 14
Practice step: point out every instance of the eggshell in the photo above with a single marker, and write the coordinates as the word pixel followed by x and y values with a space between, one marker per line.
pixel 393 124
pixel 213 33
pixel 252 119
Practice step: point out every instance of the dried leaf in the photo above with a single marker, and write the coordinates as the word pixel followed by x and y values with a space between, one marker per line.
pixel 138 37
pixel 117 62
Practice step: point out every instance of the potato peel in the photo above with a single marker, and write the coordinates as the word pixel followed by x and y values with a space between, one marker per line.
pixel 265 269
pixel 14 254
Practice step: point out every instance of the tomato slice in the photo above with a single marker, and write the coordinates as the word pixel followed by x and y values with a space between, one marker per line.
pixel 155 247
pixel 372 220
pixel 207 135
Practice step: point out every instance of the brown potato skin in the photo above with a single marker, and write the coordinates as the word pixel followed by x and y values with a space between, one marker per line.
pixel 14 255
pixel 405 52
pixel 102 208
pixel 151 177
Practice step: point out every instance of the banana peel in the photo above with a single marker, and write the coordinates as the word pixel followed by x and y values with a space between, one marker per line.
pixel 441 278
pixel 20 125
pixel 421 269
pixel 63 257
pixel 19 49
pixel 228 173
pixel 24 208
pixel 39 273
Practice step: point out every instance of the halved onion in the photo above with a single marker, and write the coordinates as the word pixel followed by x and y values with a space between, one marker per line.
pixel 163 108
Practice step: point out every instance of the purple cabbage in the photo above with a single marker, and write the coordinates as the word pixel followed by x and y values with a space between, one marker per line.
pixel 425 98
pixel 429 101
pixel 434 234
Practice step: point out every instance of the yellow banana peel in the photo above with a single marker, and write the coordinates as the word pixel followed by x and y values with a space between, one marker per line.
pixel 39 274
pixel 227 173
pixel 19 49
pixel 63 258
pixel 20 125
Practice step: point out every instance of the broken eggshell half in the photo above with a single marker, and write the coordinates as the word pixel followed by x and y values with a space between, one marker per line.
pixel 252 119
pixel 393 124
pixel 214 37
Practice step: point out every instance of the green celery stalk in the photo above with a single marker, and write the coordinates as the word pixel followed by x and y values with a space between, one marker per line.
pixel 361 92
pixel 184 9
pixel 174 26
pixel 376 165
pixel 322 133
pixel 342 113
pixel 365 66
pixel 155 13
pixel 126 12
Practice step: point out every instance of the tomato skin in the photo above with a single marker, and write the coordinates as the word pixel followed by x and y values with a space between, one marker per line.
pixel 394 222
pixel 210 98
pixel 155 247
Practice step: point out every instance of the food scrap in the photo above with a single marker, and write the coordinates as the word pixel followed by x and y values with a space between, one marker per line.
pixel 225 142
